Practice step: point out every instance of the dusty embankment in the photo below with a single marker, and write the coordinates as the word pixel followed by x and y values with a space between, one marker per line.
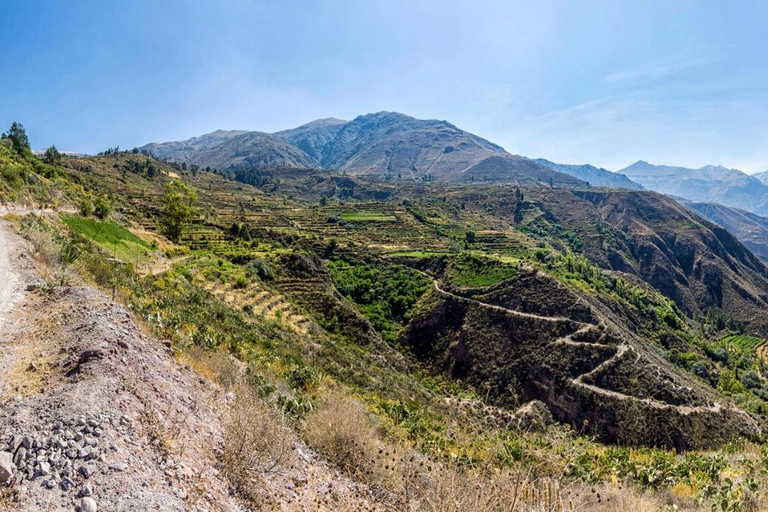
pixel 97 415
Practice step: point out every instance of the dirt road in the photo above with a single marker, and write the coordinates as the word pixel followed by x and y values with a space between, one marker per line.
pixel 8 278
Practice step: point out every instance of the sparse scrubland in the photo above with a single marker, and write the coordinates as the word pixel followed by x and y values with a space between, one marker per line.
pixel 442 347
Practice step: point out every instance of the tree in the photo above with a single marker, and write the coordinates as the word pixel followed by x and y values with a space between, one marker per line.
pixel 519 203
pixel 52 156
pixel 178 208
pixel 18 137
pixel 470 236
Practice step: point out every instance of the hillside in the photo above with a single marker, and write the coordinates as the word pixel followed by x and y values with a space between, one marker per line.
pixel 596 177
pixel 386 144
pixel 750 229
pixel 424 345
pixel 711 184
pixel 694 262
pixel 517 170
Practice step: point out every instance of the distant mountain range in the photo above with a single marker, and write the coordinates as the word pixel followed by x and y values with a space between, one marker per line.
pixel 385 144
pixel 595 176
pixel 762 176
pixel 710 184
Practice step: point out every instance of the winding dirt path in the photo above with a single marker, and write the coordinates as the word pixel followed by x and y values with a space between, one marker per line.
pixel 621 350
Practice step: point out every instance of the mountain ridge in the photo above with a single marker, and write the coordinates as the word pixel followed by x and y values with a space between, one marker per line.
pixel 384 143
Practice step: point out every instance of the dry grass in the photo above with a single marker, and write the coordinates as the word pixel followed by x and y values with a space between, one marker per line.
pixel 217 366
pixel 6 498
pixel 341 430
pixel 260 442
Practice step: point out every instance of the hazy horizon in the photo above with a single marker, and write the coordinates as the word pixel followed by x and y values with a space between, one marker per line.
pixel 675 83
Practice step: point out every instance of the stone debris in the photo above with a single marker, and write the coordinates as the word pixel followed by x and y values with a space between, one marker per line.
pixel 58 455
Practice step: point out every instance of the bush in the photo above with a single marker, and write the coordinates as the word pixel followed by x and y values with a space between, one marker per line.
pixel 750 379
pixel 700 369
pixel 102 208
pixel 260 267
pixel 304 378
pixel 86 208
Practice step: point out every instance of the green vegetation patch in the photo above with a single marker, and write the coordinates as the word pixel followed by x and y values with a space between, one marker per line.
pixel 368 217
pixel 475 271
pixel 114 238
pixel 416 254
pixel 384 295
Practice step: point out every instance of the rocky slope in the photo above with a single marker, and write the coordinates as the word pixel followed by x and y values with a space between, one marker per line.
pixel 314 137
pixel 531 338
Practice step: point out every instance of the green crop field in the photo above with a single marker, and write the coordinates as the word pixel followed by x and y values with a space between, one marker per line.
pixel 744 342
pixel 368 217
pixel 114 238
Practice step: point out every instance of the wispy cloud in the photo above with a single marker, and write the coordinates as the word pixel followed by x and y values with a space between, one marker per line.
pixel 655 70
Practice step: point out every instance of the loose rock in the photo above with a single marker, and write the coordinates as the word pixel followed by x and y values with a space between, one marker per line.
pixel 6 467
pixel 88 505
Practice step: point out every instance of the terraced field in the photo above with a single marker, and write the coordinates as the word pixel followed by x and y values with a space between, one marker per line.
pixel 744 342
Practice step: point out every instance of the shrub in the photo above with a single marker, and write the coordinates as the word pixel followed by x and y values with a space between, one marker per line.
pixel 700 369
pixel 750 379
pixel 86 208
pixel 102 208
pixel 261 268
pixel 304 378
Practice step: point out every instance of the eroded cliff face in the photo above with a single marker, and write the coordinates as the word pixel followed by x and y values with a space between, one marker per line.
pixel 532 338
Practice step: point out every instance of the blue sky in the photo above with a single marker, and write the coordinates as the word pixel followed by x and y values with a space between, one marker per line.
pixel 604 82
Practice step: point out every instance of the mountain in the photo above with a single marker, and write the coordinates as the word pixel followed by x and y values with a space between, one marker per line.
pixel 595 176
pixel 380 144
pixel 314 137
pixel 750 229
pixel 186 150
pixel 711 183
pixel 251 149
pixel 392 143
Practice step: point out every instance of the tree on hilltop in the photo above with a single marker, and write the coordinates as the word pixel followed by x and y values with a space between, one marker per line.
pixel 18 137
